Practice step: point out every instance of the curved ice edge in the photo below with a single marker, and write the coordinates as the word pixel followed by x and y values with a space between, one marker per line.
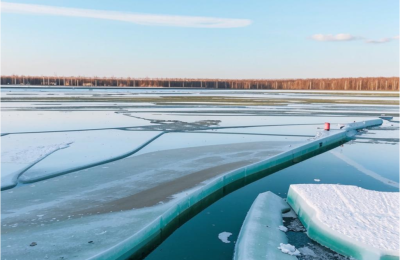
pixel 26 179
pixel 260 236
pixel 327 237
pixel 247 174
pixel 138 243
pixel 15 176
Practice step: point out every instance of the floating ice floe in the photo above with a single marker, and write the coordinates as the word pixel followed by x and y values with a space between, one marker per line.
pixel 260 235
pixel 16 160
pixel 352 221
pixel 289 249
pixel 224 237
pixel 283 228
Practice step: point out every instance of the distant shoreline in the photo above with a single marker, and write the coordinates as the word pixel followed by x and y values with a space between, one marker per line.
pixel 337 84
pixel 197 89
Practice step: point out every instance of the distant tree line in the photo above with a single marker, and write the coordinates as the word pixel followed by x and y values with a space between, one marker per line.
pixel 372 84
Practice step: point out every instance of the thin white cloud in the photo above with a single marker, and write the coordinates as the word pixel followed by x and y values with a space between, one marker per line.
pixel 334 38
pixel 143 19
pixel 383 40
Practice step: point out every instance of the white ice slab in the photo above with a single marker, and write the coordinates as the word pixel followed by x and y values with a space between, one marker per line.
pixel 260 236
pixel 360 223
pixel 16 159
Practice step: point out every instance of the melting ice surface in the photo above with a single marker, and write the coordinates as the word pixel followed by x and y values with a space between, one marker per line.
pixel 350 220
pixel 86 205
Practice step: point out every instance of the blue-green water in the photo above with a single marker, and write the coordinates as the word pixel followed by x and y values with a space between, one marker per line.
pixel 198 238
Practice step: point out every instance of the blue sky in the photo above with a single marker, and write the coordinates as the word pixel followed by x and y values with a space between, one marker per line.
pixel 254 39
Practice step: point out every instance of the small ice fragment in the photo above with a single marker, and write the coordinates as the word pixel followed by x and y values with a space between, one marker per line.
pixel 283 228
pixel 224 237
pixel 317 180
pixel 307 251
pixel 289 249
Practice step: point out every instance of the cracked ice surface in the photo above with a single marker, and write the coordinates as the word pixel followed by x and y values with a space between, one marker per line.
pixel 86 148
pixel 16 159
pixel 110 203
pixel 366 221
pixel 27 121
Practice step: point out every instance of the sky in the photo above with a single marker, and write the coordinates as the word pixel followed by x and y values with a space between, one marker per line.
pixel 226 39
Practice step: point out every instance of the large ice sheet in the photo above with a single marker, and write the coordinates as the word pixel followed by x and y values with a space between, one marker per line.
pixel 120 204
pixel 260 235
pixel 16 159
pixel 360 223
pixel 86 149
pixel 185 140
pixel 37 121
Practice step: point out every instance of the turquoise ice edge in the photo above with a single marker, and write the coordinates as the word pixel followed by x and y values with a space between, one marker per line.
pixel 141 243
pixel 260 236
pixel 329 238
pixel 306 216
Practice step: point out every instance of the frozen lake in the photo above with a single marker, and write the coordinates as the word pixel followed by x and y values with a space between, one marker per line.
pixel 132 153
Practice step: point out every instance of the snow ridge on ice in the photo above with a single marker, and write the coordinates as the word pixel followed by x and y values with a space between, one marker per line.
pixel 350 220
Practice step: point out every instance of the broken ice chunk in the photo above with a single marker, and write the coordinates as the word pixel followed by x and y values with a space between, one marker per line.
pixel 352 221
pixel 224 236
pixel 283 228
pixel 289 249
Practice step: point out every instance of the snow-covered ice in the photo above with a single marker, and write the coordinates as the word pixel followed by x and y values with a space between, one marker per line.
pixel 224 237
pixel 289 249
pixel 356 222
pixel 15 160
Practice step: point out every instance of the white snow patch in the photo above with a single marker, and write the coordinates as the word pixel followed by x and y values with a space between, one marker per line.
pixel 224 237
pixel 289 249
pixel 283 228
pixel 30 154
pixel 367 220
pixel 16 161
pixel 317 180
